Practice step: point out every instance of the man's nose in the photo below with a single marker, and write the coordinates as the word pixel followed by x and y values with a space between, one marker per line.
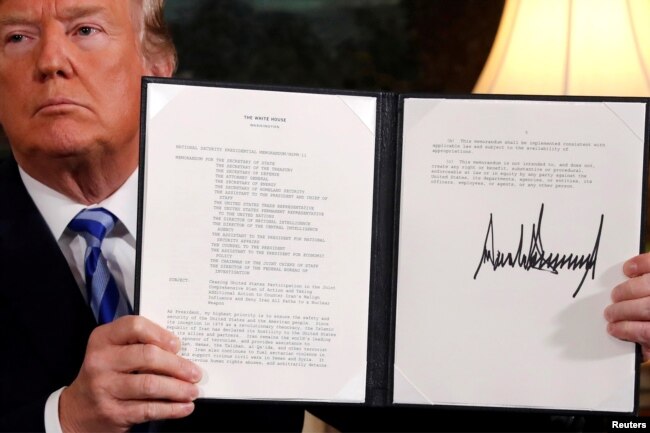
pixel 53 55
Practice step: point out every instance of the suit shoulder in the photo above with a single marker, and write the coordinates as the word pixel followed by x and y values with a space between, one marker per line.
pixel 7 163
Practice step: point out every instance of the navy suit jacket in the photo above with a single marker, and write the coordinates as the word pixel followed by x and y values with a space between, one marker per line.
pixel 45 324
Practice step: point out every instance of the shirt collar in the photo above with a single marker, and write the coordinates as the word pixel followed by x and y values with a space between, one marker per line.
pixel 58 209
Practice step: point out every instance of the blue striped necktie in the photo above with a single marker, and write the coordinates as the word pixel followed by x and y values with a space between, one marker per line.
pixel 105 299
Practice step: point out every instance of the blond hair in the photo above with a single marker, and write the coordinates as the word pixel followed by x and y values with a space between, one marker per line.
pixel 156 39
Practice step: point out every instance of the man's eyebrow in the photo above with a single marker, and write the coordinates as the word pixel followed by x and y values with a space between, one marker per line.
pixel 16 20
pixel 68 14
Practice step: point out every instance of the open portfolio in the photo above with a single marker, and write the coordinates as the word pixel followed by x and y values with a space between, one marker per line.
pixel 382 249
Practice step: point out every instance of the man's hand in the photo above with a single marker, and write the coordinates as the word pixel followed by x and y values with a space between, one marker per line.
pixel 629 314
pixel 130 375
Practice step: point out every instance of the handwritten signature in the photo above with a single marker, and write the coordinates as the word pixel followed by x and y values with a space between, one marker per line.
pixel 537 258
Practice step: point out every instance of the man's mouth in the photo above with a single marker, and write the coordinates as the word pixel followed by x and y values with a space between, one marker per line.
pixel 57 105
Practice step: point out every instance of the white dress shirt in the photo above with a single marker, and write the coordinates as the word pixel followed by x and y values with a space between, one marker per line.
pixel 118 247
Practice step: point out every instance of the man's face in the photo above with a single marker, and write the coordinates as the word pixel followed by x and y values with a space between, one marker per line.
pixel 70 78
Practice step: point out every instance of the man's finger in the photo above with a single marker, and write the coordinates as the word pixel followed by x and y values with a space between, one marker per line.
pixel 633 288
pixel 638 265
pixel 149 358
pixel 632 310
pixel 138 412
pixel 137 329
pixel 631 331
pixel 153 387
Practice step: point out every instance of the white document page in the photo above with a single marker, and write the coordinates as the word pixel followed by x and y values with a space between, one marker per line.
pixel 256 237
pixel 516 218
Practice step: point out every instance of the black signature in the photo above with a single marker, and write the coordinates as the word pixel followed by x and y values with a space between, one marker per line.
pixel 537 258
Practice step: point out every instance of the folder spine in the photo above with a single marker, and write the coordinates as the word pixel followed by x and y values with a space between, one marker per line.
pixel 378 383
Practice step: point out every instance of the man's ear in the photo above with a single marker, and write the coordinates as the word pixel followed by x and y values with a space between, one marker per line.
pixel 162 66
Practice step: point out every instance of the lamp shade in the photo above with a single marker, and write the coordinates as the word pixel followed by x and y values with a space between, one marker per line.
pixel 570 47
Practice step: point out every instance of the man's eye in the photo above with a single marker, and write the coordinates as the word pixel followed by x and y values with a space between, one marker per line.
pixel 13 39
pixel 86 31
